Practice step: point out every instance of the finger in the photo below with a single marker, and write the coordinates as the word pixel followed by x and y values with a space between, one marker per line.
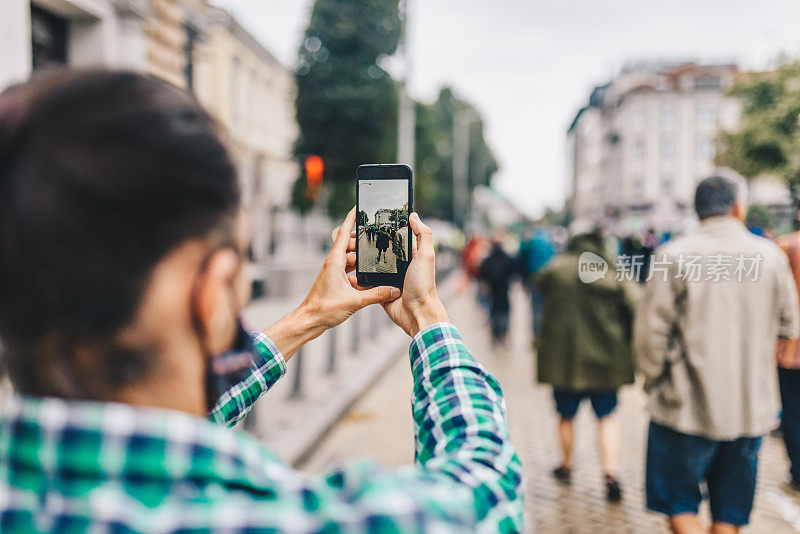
pixel 350 265
pixel 343 235
pixel 353 279
pixel 423 234
pixel 351 246
pixel 335 232
pixel 378 294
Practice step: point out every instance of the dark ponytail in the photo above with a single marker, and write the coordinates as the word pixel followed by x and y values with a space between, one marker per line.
pixel 101 174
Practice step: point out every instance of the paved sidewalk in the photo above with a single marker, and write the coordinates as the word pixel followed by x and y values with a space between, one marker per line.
pixel 379 426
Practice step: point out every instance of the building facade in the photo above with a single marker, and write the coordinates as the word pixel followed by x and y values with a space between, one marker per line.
pixel 645 139
pixel 37 33
pixel 252 95
pixel 204 50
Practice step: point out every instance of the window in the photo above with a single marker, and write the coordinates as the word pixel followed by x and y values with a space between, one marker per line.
pixel 706 115
pixel 705 149
pixel 639 148
pixel 667 183
pixel 253 101
pixel 188 52
pixel 668 149
pixel 707 82
pixel 48 38
pixel 638 188
pixel 235 95
pixel 668 115
pixel 639 117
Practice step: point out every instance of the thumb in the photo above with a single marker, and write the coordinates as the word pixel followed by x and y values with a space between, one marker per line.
pixel 379 294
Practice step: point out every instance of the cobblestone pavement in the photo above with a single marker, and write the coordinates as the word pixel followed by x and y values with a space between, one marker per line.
pixel 368 256
pixel 379 426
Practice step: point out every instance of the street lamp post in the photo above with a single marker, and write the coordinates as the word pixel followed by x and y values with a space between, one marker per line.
pixel 406 119
pixel 462 120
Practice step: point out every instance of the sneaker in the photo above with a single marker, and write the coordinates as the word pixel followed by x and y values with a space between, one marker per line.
pixel 562 474
pixel 613 489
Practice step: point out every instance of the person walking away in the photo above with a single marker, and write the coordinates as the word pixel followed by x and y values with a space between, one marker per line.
pixel 788 358
pixel 584 348
pixel 382 244
pixel 400 248
pixel 717 301
pixel 496 271
pixel 534 254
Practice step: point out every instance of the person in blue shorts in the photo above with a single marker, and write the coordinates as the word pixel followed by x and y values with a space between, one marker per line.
pixel 584 346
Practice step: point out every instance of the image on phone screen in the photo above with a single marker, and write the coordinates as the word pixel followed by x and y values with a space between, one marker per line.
pixel 382 222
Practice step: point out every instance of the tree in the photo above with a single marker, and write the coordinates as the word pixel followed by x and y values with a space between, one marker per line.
pixel 346 103
pixel 434 154
pixel 362 218
pixel 768 141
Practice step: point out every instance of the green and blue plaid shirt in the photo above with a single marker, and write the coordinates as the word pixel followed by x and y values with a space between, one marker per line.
pixel 105 467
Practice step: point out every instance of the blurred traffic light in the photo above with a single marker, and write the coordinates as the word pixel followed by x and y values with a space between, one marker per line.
pixel 315 168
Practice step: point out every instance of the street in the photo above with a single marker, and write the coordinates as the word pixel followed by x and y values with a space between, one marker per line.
pixel 368 257
pixel 380 426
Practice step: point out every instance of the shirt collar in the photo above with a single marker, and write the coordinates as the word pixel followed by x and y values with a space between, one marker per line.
pixel 724 222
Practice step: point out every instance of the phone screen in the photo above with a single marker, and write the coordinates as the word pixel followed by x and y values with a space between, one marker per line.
pixel 382 229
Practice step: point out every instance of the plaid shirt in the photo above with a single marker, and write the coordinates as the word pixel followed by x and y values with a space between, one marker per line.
pixel 95 466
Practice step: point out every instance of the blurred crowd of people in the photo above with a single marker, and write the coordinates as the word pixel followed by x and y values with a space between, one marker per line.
pixel 704 342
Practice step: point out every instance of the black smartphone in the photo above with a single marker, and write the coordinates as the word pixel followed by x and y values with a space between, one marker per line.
pixel 384 198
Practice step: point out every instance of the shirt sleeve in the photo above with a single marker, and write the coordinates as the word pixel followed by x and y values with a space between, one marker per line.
pixel 654 323
pixel 467 477
pixel 267 368
pixel 461 430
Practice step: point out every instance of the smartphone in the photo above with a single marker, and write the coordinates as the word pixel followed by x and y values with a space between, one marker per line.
pixel 384 199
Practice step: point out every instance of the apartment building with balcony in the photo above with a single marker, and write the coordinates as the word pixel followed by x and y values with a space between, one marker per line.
pixel 639 147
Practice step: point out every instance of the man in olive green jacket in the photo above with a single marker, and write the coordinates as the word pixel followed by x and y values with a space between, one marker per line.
pixel 584 347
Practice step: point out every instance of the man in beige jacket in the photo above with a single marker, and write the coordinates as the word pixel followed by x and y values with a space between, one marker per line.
pixel 716 301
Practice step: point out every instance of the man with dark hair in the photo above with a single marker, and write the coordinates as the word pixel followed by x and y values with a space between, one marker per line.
pixel 717 300
pixel 122 281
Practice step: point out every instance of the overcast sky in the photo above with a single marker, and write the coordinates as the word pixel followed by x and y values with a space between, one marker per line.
pixel 528 65
pixel 382 194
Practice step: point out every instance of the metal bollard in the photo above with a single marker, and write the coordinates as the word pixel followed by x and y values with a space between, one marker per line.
pixel 375 319
pixel 297 383
pixel 331 351
pixel 354 339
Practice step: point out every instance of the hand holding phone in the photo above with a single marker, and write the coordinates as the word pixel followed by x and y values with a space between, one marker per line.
pixel 419 305
pixel 384 201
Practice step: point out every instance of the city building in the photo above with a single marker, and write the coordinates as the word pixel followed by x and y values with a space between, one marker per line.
pixel 383 217
pixel 37 33
pixel 204 50
pixel 644 140
pixel 252 95
pixel 175 33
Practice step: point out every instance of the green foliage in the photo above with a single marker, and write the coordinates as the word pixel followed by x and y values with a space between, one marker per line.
pixel 759 216
pixel 553 217
pixel 300 200
pixel 346 103
pixel 768 141
pixel 434 154
pixel 362 218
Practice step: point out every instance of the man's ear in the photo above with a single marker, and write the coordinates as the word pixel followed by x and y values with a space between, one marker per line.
pixel 740 210
pixel 215 306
